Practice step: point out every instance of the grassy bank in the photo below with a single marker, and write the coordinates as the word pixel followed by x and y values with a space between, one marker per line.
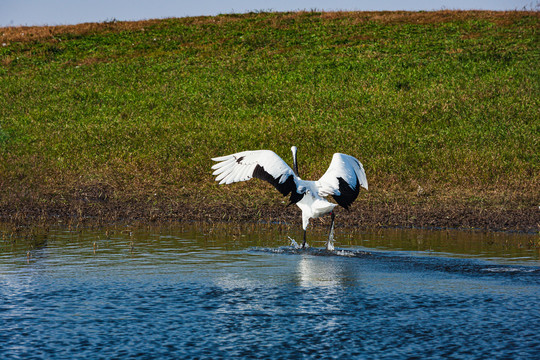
pixel 119 120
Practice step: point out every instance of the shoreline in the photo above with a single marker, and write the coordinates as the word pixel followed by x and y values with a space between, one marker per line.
pixel 361 215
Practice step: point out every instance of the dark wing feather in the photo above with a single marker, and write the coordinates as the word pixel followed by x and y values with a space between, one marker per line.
pixel 285 188
pixel 347 194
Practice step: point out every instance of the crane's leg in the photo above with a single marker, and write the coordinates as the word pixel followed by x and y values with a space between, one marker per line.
pixel 330 243
pixel 304 243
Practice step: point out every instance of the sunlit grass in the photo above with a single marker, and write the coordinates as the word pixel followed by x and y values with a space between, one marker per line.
pixel 447 101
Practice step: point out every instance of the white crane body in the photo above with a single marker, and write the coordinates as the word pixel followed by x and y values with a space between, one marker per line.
pixel 312 204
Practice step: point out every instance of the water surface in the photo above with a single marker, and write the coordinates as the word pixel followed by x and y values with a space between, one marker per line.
pixel 229 291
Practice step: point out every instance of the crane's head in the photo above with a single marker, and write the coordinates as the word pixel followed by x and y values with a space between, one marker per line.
pixel 294 149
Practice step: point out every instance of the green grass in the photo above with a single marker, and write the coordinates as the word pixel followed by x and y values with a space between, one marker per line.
pixel 446 100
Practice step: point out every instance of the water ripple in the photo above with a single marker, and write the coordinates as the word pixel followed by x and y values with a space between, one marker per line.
pixel 194 299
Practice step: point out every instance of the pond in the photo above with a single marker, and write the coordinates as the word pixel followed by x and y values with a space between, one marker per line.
pixel 230 291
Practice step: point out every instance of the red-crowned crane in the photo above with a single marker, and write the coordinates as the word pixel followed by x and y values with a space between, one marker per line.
pixel 342 180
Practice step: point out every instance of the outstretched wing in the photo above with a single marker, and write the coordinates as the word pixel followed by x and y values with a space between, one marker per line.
pixel 343 180
pixel 262 164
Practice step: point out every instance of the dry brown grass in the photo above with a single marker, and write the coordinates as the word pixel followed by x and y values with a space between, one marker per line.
pixel 55 33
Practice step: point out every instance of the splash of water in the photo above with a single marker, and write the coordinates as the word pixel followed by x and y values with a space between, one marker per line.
pixel 294 244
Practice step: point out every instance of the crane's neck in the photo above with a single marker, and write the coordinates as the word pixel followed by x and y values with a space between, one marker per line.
pixel 295 162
